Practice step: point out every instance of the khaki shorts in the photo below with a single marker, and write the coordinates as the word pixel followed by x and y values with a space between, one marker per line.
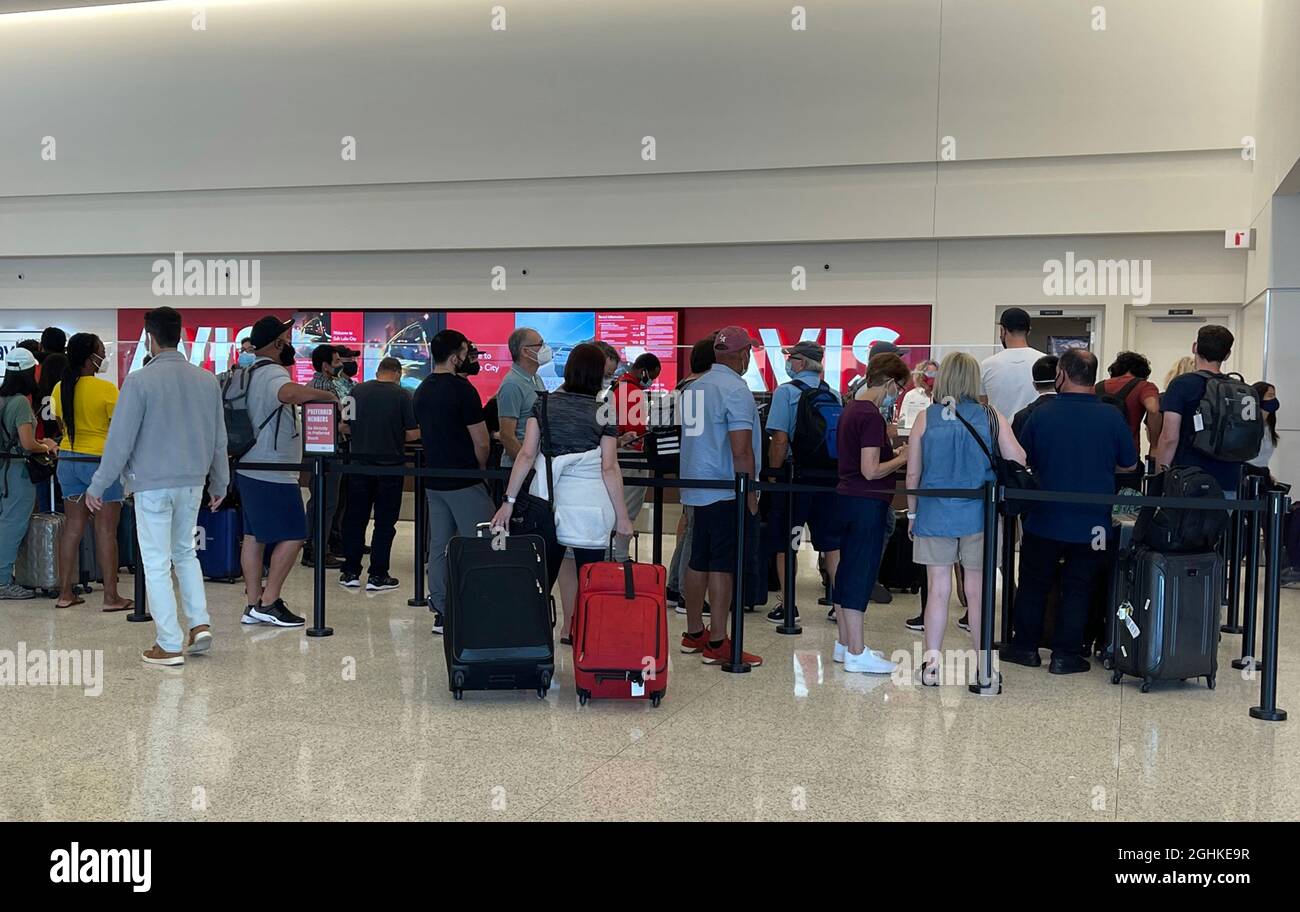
pixel 938 551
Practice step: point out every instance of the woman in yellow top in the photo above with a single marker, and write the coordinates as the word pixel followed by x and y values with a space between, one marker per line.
pixel 84 404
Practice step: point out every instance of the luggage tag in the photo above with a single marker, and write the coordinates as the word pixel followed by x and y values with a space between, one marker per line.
pixel 1132 625
pixel 1198 422
pixel 638 688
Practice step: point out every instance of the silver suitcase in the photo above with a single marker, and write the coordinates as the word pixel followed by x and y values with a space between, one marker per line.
pixel 37 566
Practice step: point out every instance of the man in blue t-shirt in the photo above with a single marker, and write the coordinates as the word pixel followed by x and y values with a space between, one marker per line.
pixel 1180 404
pixel 1074 442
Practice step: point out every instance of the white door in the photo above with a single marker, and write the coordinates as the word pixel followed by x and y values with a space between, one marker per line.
pixel 1164 339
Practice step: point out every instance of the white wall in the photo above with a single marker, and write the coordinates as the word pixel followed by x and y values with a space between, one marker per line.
pixel 29 323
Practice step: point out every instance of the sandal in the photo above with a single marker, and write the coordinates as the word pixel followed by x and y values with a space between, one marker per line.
pixel 125 606
pixel 926 667
pixel 76 600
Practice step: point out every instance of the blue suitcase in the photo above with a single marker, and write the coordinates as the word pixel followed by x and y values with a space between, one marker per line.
pixel 218 546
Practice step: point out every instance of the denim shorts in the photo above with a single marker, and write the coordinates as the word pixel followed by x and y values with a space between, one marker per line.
pixel 863 521
pixel 75 477
pixel 273 511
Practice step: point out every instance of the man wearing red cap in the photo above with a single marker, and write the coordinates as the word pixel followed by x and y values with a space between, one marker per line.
pixel 721 437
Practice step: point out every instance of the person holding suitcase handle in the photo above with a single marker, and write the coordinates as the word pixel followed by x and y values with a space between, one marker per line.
pixel 17 440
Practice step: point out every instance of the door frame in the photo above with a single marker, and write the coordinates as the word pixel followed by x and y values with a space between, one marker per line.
pixel 1225 314
pixel 1097 312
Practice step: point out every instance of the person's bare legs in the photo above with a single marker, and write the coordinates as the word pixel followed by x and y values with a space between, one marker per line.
pixel 283 558
pixel 106 521
pixel 974 605
pixel 696 584
pixel 568 580
pixel 250 561
pixel 851 624
pixel 939 580
pixel 719 605
pixel 74 526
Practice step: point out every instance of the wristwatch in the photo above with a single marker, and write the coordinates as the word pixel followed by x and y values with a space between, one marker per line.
pixel 510 499
pixel 911 516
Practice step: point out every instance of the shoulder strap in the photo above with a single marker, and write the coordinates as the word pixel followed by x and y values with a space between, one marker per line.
pixel 799 385
pixel 544 422
pixel 1128 389
pixel 980 440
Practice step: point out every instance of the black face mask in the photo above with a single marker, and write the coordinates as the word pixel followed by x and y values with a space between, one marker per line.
pixel 288 356
pixel 468 368
pixel 350 369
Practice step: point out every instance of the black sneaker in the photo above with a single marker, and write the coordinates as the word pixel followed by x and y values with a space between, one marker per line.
pixel 437 623
pixel 916 623
pixel 248 616
pixel 350 580
pixel 276 614
pixel 881 594
pixel 674 598
pixel 381 583
pixel 830 616
pixel 777 614
pixel 964 621
pixel 332 561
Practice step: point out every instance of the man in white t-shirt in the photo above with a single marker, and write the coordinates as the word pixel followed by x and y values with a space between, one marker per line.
pixel 1008 376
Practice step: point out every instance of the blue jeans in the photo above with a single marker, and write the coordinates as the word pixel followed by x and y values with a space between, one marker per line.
pixel 165 521
pixel 862 525
pixel 19 496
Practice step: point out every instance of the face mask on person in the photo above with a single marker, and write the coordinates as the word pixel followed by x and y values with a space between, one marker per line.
pixel 287 354
pixel 790 367
pixel 467 367
pixel 98 362
pixel 1269 405
pixel 543 354
pixel 246 359
pixel 927 379
pixel 350 369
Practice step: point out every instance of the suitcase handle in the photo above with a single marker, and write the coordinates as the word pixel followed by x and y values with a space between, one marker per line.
pixel 484 529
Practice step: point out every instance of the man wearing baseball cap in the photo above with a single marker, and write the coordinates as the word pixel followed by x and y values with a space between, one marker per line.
pixel 721 437
pixel 270 499
pixel 1008 376
pixel 803 365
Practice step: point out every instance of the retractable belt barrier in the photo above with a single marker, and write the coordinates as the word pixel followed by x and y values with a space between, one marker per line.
pixel 1251 511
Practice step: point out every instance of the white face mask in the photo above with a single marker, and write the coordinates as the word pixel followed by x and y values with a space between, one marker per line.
pixel 544 355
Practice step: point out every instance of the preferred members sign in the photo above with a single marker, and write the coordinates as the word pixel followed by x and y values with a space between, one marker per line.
pixel 846 332
pixel 319 427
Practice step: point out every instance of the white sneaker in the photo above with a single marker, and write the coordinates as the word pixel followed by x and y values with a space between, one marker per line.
pixel 838 654
pixel 868 662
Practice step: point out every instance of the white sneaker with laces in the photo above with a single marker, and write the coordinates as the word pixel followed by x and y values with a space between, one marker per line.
pixel 868 662
pixel 838 654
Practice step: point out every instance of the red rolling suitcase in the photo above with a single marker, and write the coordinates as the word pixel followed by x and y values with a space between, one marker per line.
pixel 620 632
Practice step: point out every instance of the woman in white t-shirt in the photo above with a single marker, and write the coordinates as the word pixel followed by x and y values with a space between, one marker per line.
pixel 917 399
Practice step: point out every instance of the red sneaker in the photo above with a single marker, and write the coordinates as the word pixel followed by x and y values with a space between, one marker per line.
pixel 693 644
pixel 723 654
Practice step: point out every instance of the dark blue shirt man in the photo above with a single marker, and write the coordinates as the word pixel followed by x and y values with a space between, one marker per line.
pixel 1180 404
pixel 1074 442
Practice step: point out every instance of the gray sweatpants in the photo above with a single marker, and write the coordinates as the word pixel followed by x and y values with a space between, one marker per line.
pixel 634 499
pixel 681 553
pixel 452 513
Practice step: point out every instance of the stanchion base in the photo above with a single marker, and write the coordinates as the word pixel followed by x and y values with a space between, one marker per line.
pixel 139 617
pixel 790 631
pixel 1232 628
pixel 418 603
pixel 320 631
pixel 1248 662
pixel 1268 715
pixel 991 689
pixel 741 669
pixel 825 602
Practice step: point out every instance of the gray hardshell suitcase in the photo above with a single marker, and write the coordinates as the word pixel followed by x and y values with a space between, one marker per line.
pixel 37 564
pixel 1166 622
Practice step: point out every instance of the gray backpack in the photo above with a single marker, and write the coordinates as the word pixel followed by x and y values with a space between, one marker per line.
pixel 241 436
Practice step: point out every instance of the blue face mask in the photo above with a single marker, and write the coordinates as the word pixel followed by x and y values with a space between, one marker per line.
pixel 246 358
pixel 1269 405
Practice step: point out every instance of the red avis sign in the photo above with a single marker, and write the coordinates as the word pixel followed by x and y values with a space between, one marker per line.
pixel 846 333
pixel 210 338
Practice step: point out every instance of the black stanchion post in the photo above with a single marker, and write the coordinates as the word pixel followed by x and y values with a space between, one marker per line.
pixel 1267 708
pixel 1233 554
pixel 789 625
pixel 737 664
pixel 1008 579
pixel 1250 604
pixel 320 546
pixel 657 526
pixel 140 611
pixel 1149 474
pixel 421 537
pixel 989 683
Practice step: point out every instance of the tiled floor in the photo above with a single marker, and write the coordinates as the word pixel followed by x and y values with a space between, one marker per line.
pixel 274 725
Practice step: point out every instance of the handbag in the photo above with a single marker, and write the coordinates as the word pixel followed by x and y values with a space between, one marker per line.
pixel 535 515
pixel 1010 474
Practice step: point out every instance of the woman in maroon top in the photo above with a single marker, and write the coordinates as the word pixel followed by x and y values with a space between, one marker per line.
pixel 867 464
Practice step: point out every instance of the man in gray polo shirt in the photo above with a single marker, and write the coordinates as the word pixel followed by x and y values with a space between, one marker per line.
pixel 520 387
pixel 723 438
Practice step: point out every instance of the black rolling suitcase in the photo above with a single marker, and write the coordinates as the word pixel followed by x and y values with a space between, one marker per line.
pixel 897 569
pixel 1166 625
pixel 498 632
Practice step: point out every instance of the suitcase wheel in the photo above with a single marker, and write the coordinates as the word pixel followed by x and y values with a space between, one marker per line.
pixel 544 686
pixel 656 698
pixel 1107 663
pixel 1116 677
pixel 1146 685
pixel 583 697
pixel 1209 681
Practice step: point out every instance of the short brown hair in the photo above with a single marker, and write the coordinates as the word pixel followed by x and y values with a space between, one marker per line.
pixel 584 371
pixel 887 366
pixel 389 366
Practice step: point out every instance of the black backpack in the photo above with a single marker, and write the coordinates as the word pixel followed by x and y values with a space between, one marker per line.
pixel 241 436
pixel 1172 529
pixel 816 424
pixel 1231 422
pixel 1118 399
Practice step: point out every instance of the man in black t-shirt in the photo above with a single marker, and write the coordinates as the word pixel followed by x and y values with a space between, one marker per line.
pixel 1180 405
pixel 382 421
pixel 1044 384
pixel 455 436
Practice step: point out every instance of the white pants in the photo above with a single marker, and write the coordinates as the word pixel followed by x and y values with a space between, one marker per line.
pixel 165 522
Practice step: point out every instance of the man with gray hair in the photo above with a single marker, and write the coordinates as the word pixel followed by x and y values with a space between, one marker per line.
pixel 519 389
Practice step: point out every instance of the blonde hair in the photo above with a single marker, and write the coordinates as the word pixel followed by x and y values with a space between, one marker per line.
pixel 918 374
pixel 1184 365
pixel 959 378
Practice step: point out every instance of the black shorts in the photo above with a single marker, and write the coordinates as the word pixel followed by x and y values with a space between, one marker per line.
pixel 713 538
pixel 819 512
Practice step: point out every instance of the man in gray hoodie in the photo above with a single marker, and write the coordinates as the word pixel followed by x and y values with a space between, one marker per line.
pixel 167 436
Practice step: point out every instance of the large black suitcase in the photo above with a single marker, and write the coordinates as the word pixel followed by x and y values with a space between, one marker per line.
pixel 498 631
pixel 1166 625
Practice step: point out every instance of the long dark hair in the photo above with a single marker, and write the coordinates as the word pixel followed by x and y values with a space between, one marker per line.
pixel 52 369
pixel 1270 418
pixel 18 383
pixel 81 347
